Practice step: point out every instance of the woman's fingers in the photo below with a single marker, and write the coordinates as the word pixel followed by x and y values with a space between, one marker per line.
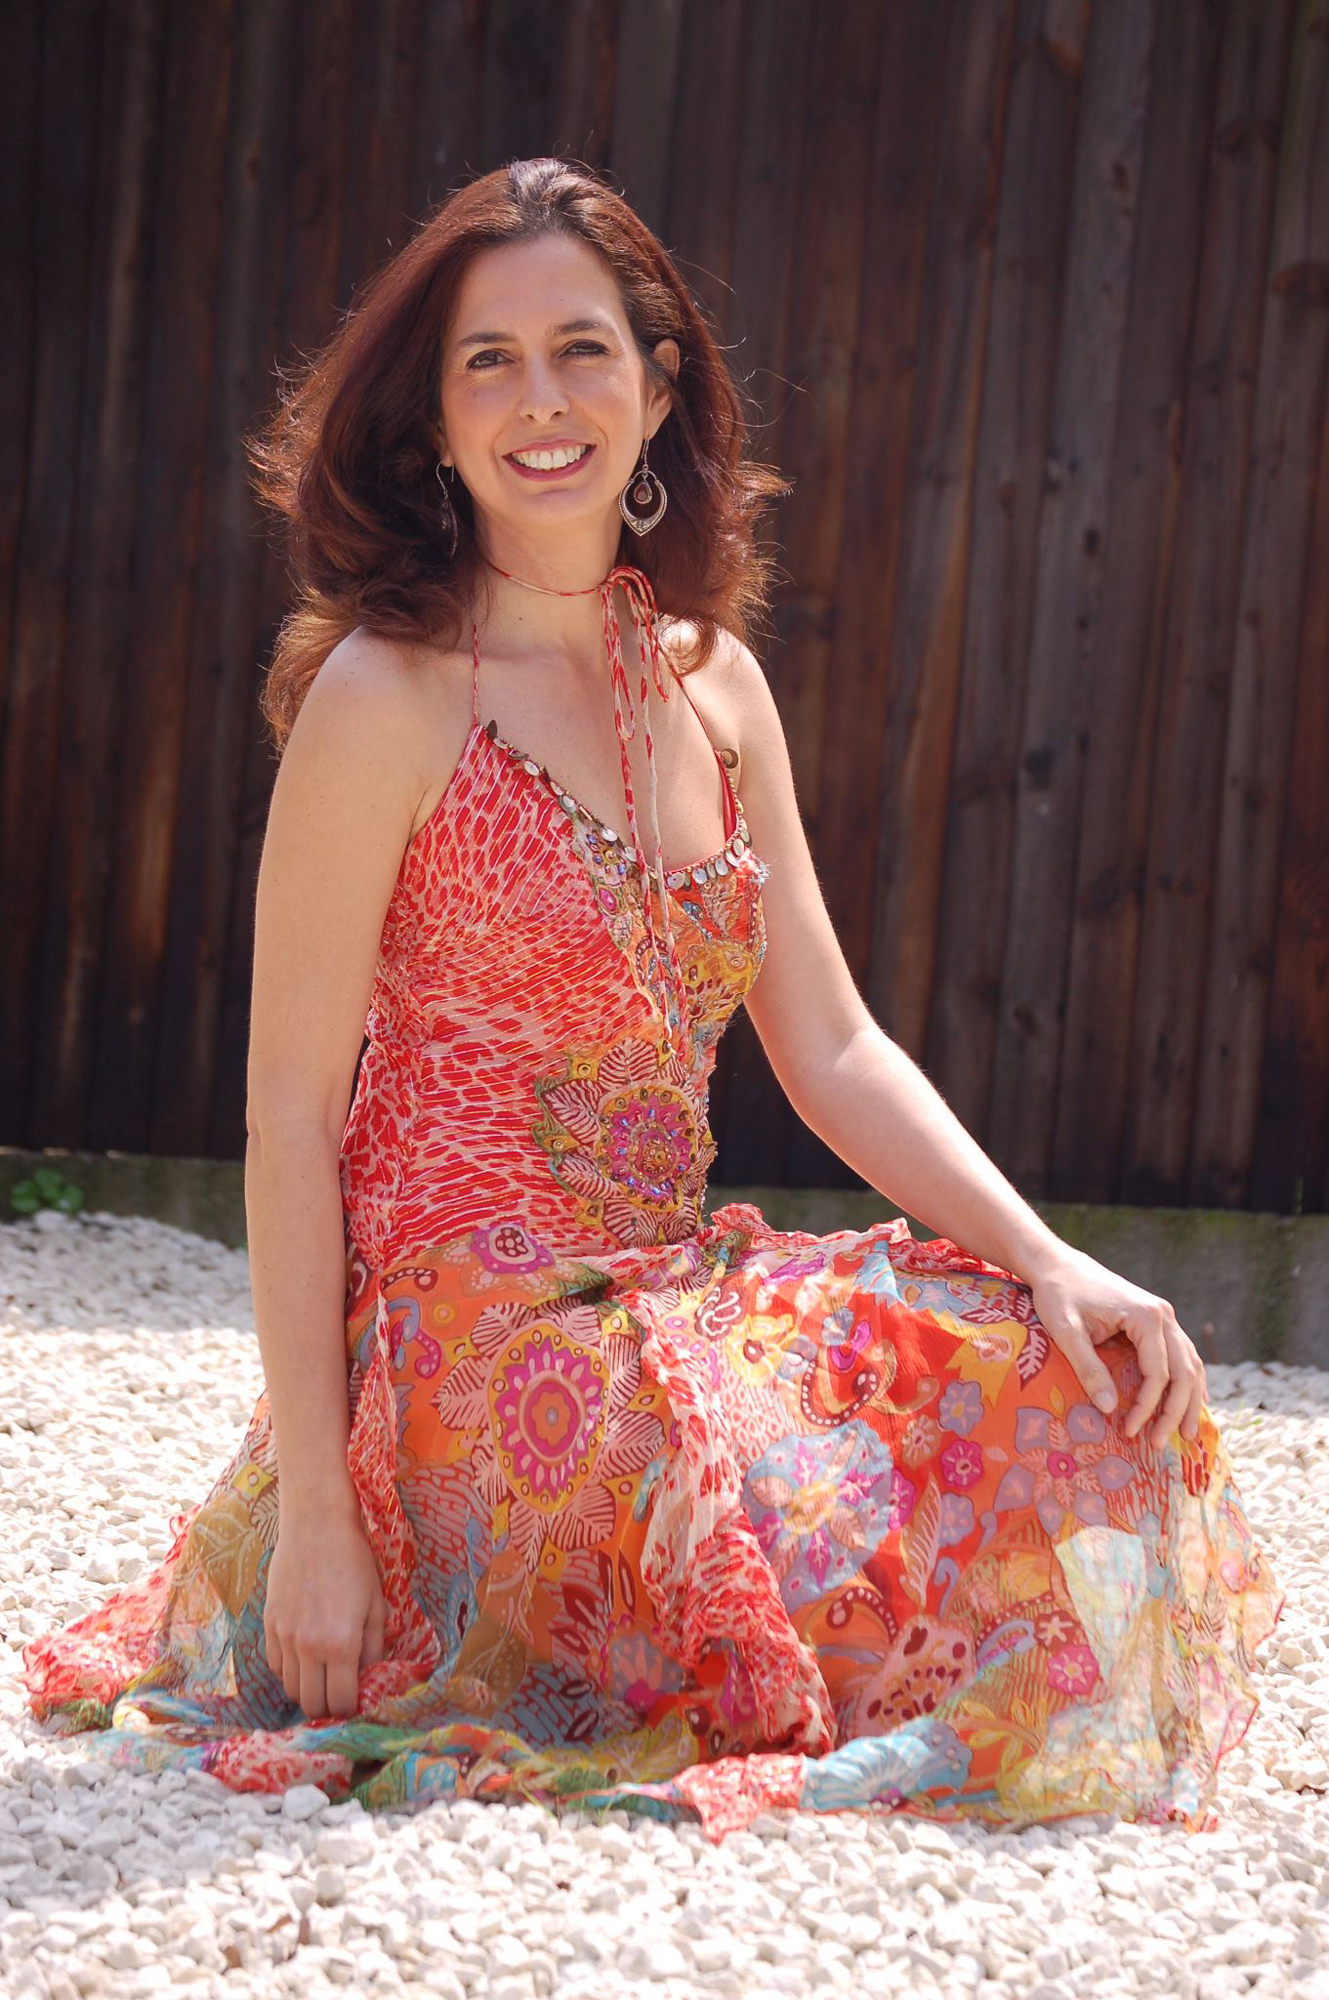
pixel 1152 1350
pixel 1180 1373
pixel 1174 1407
pixel 1186 1396
pixel 371 1648
pixel 1081 1303
pixel 313 1687
pixel 343 1692
pixel 1190 1427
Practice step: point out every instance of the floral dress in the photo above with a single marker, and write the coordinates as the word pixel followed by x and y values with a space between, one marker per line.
pixel 693 1517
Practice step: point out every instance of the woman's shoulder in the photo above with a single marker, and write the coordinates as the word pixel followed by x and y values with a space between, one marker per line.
pixel 718 684
pixel 420 683
pixel 397 659
pixel 414 699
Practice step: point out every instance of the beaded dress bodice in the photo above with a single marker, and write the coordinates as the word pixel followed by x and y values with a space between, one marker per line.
pixel 523 1056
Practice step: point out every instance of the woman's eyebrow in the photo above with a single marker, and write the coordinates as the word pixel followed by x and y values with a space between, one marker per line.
pixel 567 326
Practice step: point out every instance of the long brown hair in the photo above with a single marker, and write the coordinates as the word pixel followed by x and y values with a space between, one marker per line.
pixel 348 457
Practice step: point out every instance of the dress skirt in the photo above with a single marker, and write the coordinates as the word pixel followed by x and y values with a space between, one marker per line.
pixel 758 1519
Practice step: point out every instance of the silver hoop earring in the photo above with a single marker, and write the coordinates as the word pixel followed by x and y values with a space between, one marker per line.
pixel 644 487
pixel 447 512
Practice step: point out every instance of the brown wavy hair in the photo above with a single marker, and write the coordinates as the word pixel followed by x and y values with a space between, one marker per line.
pixel 347 459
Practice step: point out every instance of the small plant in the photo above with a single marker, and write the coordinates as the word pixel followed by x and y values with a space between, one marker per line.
pixel 46 1187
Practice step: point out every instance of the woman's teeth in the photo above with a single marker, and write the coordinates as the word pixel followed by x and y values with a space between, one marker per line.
pixel 545 461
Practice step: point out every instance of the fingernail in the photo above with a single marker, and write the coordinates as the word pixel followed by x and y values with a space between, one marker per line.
pixel 1105 1399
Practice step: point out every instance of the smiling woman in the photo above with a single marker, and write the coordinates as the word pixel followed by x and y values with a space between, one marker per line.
pixel 548 461
pixel 558 1487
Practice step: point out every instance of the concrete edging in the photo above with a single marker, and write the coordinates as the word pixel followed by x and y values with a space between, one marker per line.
pixel 1245 1286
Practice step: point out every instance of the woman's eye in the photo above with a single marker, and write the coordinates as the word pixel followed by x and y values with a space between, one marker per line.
pixel 586 346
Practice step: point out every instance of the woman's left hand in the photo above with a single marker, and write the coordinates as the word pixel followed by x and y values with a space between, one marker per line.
pixel 1081 1304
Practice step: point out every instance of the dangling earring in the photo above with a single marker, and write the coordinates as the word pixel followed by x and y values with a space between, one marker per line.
pixel 447 512
pixel 640 485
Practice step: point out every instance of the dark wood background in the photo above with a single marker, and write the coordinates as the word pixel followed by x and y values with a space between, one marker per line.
pixel 1033 296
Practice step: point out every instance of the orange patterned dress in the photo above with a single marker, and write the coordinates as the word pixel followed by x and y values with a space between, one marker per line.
pixel 694 1517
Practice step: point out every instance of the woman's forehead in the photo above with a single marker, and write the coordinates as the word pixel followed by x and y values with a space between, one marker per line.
pixel 536 287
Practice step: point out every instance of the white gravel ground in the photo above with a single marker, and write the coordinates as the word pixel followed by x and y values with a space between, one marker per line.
pixel 131 1368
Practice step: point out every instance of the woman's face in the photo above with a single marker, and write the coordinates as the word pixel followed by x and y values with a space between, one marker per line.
pixel 516 373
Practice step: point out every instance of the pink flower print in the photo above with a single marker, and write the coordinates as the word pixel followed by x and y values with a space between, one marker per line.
pixel 547 1404
pixel 994 1347
pixel 648 1141
pixel 1054 1628
pixel 548 1408
pixel 754 1348
pixel 508 1246
pixel 1063 1466
pixel 842 1354
pixel 962 1463
pixel 820 1506
pixel 959 1407
pixel 921 1439
pixel 955 1519
pixel 1074 1670
pixel 904 1496
pixel 639 1673
pixel 628 1138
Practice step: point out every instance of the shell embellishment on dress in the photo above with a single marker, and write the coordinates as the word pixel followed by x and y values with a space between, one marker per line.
pixel 722 862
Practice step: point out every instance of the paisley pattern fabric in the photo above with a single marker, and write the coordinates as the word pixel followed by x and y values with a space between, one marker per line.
pixel 687 1515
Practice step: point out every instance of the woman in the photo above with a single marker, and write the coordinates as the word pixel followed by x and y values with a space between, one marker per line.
pixel 557 1488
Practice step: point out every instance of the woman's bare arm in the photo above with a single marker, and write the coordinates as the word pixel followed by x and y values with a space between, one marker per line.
pixel 849 1082
pixel 340 818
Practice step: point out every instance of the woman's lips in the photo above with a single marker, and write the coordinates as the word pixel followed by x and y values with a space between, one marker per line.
pixel 554 471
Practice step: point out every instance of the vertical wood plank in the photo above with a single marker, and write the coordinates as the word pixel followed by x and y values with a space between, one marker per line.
pixel 447 138
pixel 706 153
pixel 926 632
pixel 1285 449
pixel 581 117
pixel 380 155
pixel 57 271
pixel 826 230
pixel 100 639
pixel 1033 226
pixel 1195 665
pixel 1290 1157
pixel 228 578
pixel 19 113
pixel 645 95
pixel 321 33
pixel 1122 701
pixel 752 1117
pixel 1063 651
pixel 168 516
pixel 523 65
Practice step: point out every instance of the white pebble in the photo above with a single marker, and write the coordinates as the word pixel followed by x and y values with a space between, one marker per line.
pixel 303 1802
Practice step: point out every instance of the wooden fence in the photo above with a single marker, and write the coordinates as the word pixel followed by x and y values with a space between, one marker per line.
pixel 1033 296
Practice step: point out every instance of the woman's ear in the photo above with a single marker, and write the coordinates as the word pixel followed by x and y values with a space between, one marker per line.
pixel 668 354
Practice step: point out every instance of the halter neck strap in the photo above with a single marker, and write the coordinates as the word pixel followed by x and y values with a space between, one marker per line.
pixel 666 972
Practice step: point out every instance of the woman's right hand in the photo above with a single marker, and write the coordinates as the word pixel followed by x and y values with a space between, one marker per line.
pixel 325 1613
